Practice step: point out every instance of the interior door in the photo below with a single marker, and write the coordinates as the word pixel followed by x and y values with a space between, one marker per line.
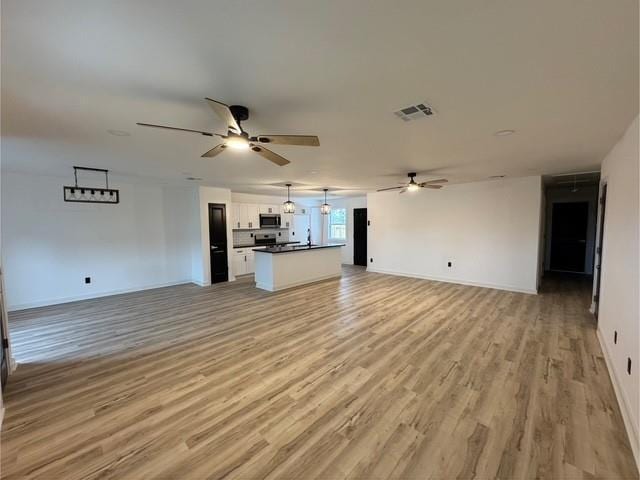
pixel 4 344
pixel 599 250
pixel 360 236
pixel 4 367
pixel 569 236
pixel 218 242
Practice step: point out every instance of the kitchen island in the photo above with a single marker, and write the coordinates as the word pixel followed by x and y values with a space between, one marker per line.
pixel 288 266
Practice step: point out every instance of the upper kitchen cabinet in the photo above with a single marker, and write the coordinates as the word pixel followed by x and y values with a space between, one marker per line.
pixel 253 215
pixel 265 209
pixel 245 215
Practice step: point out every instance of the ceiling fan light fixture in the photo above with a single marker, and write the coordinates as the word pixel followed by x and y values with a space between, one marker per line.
pixel 237 143
pixel 325 208
pixel 288 206
pixel 413 187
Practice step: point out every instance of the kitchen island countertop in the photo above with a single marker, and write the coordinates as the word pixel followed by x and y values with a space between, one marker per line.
pixel 296 248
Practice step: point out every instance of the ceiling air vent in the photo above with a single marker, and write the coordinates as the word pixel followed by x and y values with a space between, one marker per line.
pixel 414 112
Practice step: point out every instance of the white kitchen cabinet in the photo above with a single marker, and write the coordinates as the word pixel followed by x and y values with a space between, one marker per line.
pixel 269 209
pixel 286 220
pixel 236 217
pixel 245 215
pixel 250 262
pixel 253 215
pixel 242 261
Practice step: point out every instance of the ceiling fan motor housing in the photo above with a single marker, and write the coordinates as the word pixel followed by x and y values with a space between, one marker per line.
pixel 239 112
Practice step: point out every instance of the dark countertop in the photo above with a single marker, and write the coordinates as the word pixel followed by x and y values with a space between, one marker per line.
pixel 250 245
pixel 297 248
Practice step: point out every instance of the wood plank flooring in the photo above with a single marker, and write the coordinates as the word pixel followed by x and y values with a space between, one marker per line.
pixel 366 377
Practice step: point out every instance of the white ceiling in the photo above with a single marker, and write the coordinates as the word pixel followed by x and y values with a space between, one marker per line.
pixel 563 74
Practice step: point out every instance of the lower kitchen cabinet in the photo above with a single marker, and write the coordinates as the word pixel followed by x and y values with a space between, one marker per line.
pixel 242 261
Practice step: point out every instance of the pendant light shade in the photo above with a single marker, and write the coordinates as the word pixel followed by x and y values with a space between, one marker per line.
pixel 325 208
pixel 289 206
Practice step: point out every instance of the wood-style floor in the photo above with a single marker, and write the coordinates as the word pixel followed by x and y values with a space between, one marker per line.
pixel 369 377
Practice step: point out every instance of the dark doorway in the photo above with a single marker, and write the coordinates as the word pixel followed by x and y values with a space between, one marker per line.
pixel 569 236
pixel 4 367
pixel 360 236
pixel 218 242
pixel 599 250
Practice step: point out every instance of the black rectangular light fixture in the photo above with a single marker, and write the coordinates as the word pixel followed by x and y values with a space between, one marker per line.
pixel 80 194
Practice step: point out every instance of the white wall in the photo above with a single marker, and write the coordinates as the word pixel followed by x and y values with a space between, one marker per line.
pixel 619 289
pixel 488 230
pixel 49 246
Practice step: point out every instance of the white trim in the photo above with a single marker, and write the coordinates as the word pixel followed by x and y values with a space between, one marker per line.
pixel 75 298
pixel 623 401
pixel 451 280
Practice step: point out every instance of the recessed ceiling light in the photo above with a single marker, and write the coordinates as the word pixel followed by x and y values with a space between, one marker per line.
pixel 313 172
pixel 504 133
pixel 119 133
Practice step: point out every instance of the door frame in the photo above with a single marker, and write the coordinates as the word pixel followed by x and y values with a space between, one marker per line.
pixel 226 239
pixel 586 253
pixel 366 243
pixel 599 250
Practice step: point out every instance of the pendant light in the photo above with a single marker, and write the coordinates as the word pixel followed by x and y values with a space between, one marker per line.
pixel 289 206
pixel 325 208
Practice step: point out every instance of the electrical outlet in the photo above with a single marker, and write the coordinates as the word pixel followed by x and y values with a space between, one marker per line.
pixel 87 279
pixel 371 260
pixel 449 264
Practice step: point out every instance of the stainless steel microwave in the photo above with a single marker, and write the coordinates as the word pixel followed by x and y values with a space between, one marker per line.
pixel 269 220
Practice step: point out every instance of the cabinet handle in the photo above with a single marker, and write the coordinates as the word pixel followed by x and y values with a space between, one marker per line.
pixel 245 258
pixel 238 224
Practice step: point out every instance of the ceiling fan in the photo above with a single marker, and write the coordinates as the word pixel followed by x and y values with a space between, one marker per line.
pixel 237 139
pixel 413 186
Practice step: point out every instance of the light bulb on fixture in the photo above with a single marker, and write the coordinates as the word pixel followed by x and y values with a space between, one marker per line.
pixel 413 187
pixel 325 208
pixel 288 206
pixel 237 143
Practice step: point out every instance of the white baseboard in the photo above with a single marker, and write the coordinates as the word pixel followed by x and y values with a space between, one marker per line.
pixel 75 298
pixel 274 288
pixel 12 365
pixel 459 282
pixel 623 402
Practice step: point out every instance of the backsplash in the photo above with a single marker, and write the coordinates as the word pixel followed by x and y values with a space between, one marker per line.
pixel 246 237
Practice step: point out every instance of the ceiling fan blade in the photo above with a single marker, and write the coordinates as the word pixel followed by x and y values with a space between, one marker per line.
pixel 269 155
pixel 440 180
pixel 435 187
pixel 215 151
pixel 175 128
pixel 224 112
pixel 302 140
pixel 390 188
